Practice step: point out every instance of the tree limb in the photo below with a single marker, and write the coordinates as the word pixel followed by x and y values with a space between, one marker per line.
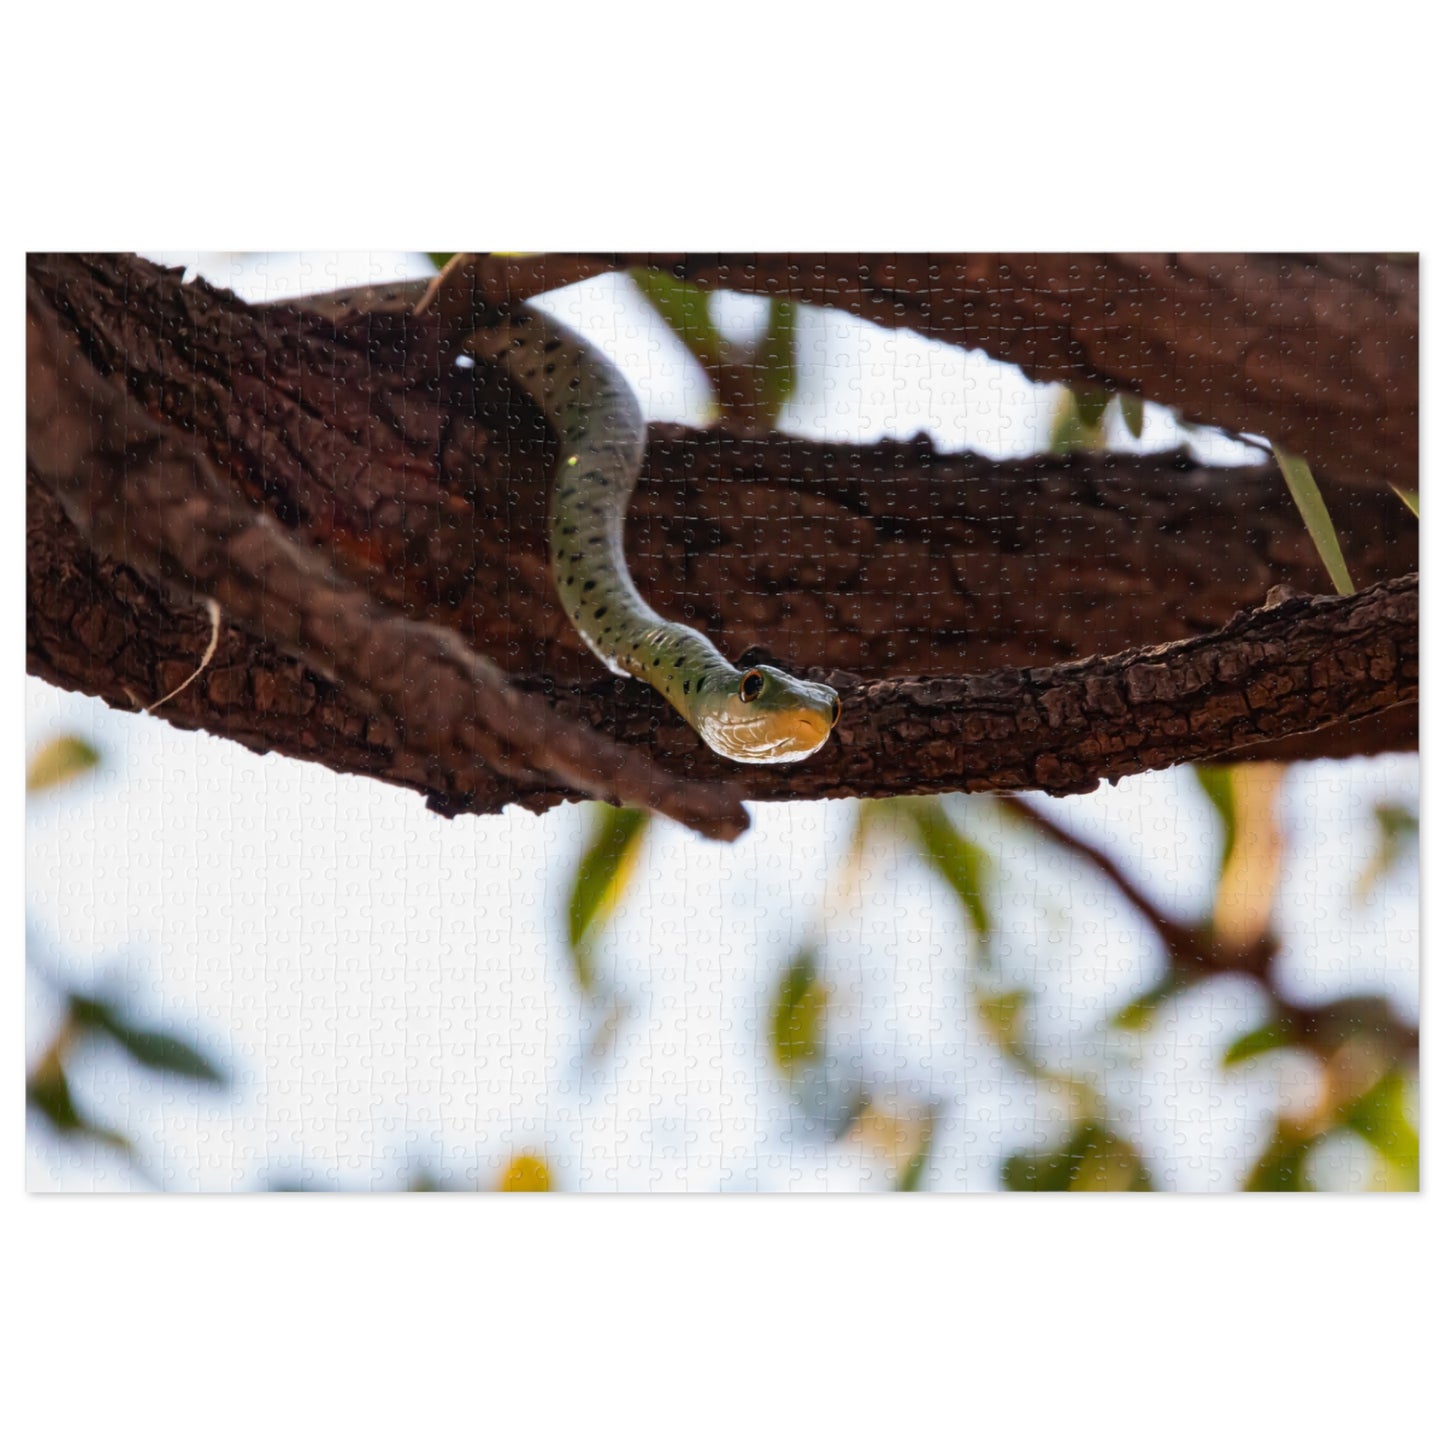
pixel 415 493
pixel 1318 353
pixel 145 495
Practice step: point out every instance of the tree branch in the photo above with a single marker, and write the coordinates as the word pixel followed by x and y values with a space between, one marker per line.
pixel 1318 353
pixel 407 491
pixel 145 495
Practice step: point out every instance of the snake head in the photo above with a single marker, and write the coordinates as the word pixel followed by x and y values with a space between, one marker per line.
pixel 762 715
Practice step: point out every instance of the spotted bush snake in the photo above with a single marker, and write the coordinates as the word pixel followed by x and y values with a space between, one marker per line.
pixel 751 715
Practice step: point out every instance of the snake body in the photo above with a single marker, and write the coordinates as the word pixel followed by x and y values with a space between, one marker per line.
pixel 751 715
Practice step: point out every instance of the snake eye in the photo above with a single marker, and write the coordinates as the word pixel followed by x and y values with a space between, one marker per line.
pixel 750 686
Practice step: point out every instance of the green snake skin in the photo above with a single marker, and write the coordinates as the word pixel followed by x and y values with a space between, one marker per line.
pixel 756 715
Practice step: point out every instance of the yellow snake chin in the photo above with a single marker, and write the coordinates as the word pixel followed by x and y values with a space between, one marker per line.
pixel 774 736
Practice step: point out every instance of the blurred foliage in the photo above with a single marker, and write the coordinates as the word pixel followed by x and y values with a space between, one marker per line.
pixel 911 1175
pixel 1397 835
pixel 1079 422
pixel 1081 418
pixel 87 1016
pixel 799 1011
pixel 608 859
pixel 751 380
pixel 688 312
pixel 1367 1055
pixel 1092 1158
pixel 59 761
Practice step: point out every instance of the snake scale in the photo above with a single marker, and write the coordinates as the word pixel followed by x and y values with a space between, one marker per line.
pixel 751 715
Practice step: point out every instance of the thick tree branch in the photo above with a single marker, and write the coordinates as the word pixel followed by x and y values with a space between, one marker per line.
pixel 422 489
pixel 1318 353
pixel 145 495
pixel 1272 672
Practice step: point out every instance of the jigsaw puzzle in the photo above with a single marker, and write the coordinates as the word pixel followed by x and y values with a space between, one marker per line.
pixel 742 723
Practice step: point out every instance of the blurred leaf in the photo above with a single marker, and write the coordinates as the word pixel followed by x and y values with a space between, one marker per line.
pixel 1252 866
pixel 1281 1168
pixel 1003 1017
pixel 603 873
pixel 1078 421
pixel 1094 1159
pixel 799 1009
pixel 439 259
pixel 1138 1013
pixel 777 358
pixel 526 1174
pixel 1218 785
pixel 959 861
pixel 1380 1116
pixel 1396 827
pixel 1091 406
pixel 685 309
pixel 1131 408
pixel 1306 493
pixel 60 761
pixel 47 1091
pixel 1275 1034
pixel 910 1177
pixel 162 1052
pixel 1410 499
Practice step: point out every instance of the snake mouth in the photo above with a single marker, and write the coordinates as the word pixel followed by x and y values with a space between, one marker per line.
pixel 779 737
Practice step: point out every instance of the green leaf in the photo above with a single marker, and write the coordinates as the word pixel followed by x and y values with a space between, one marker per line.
pixel 910 1177
pixel 1218 786
pixel 1093 1159
pixel 60 761
pixel 1396 828
pixel 1275 1034
pixel 777 358
pixel 1131 408
pixel 162 1052
pixel 1306 493
pixel 1281 1168
pixel 439 259
pixel 960 862
pixel 1003 1017
pixel 1091 406
pixel 47 1091
pixel 1078 421
pixel 685 309
pixel 1410 499
pixel 603 873
pixel 1380 1116
pixel 1138 1013
pixel 799 1010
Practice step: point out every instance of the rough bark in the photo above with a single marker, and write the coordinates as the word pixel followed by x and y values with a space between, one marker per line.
pixel 418 490
pixel 1319 353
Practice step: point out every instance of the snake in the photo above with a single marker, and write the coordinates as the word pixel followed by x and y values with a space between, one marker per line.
pixel 756 714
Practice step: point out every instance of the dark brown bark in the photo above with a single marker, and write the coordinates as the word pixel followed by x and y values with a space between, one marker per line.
pixel 418 491
pixel 1319 353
